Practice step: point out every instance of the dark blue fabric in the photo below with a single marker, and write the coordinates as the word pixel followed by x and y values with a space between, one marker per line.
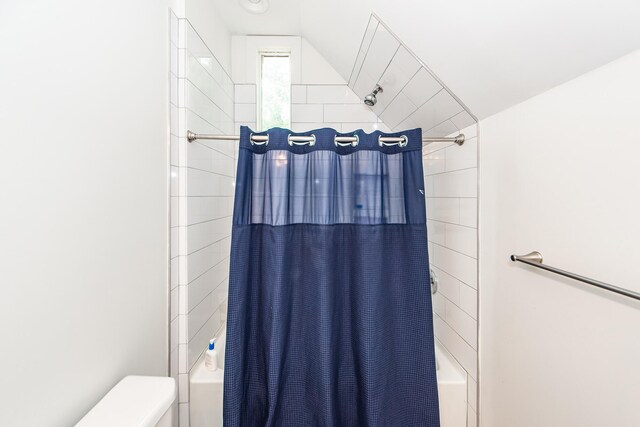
pixel 329 319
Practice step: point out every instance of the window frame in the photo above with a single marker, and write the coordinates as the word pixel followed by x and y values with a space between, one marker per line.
pixel 270 53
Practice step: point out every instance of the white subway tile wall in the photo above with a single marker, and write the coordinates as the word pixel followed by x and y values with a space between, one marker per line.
pixel 202 188
pixel 451 182
pixel 412 96
pixel 313 106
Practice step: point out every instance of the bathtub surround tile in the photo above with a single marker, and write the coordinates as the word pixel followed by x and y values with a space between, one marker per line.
pixel 305 127
pixel 366 126
pixel 201 337
pixel 173 249
pixel 202 189
pixel 460 266
pixel 245 112
pixel 331 94
pixel 398 110
pixel 201 209
pixel 298 94
pixel 436 110
pixel 174 211
pixel 472 393
pixel 316 106
pixel 182 358
pixel 173 150
pixel 245 94
pixel 250 125
pixel 174 334
pixel 469 300
pixel 349 113
pixel 448 286
pixel 444 209
pixel 463 157
pixel 210 159
pixel 173 364
pixel 200 315
pixel 306 113
pixel 385 46
pixel 436 231
pixel 422 87
pixel 469 212
pixel 457 346
pixel 430 147
pixel 439 305
pixel 402 68
pixel 173 302
pixel 445 128
pixel 460 183
pixel 434 163
pixel 202 286
pixel 173 59
pixel 203 183
pixel 472 417
pixel 451 186
pixel 183 388
pixel 462 239
pixel 463 120
pixel 206 233
pixel 183 410
pixel 174 267
pixel 463 324
pixel 202 260
pixel 183 298
pixel 183 329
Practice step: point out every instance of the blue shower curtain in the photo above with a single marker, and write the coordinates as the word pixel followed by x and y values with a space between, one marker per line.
pixel 329 320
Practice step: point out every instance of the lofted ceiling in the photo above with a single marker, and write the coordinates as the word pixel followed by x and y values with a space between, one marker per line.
pixel 492 54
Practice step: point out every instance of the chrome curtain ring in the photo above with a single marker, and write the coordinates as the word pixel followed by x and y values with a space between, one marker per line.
pixel 344 141
pixel 388 141
pixel 302 140
pixel 259 139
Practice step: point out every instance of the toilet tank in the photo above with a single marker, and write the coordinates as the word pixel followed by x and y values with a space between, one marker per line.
pixel 136 401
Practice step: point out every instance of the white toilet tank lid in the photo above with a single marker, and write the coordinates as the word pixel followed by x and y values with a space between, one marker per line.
pixel 135 401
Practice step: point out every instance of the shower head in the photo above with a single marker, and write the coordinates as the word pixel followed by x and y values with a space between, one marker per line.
pixel 371 99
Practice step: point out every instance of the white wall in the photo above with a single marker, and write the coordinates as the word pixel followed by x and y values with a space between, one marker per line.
pixel 202 177
pixel 560 175
pixel 451 183
pixel 83 224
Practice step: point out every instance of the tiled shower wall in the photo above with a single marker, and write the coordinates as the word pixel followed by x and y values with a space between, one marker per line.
pixel 202 178
pixel 412 95
pixel 451 182
pixel 313 106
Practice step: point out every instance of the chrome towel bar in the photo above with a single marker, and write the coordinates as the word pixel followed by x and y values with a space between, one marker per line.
pixel 535 259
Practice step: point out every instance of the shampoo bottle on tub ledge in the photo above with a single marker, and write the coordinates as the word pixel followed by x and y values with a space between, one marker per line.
pixel 211 356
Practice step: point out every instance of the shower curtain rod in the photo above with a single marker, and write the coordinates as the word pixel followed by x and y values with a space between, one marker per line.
pixel 458 139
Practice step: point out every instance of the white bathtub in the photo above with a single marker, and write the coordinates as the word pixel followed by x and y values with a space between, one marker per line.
pixel 205 394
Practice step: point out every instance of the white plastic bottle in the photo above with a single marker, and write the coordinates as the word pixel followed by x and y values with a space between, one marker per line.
pixel 211 356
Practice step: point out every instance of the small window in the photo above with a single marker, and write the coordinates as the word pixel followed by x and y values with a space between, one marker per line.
pixel 275 91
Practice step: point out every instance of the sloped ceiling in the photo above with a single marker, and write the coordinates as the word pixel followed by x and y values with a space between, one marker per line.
pixel 492 54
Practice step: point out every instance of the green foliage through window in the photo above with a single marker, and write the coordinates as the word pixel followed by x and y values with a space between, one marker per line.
pixel 275 92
